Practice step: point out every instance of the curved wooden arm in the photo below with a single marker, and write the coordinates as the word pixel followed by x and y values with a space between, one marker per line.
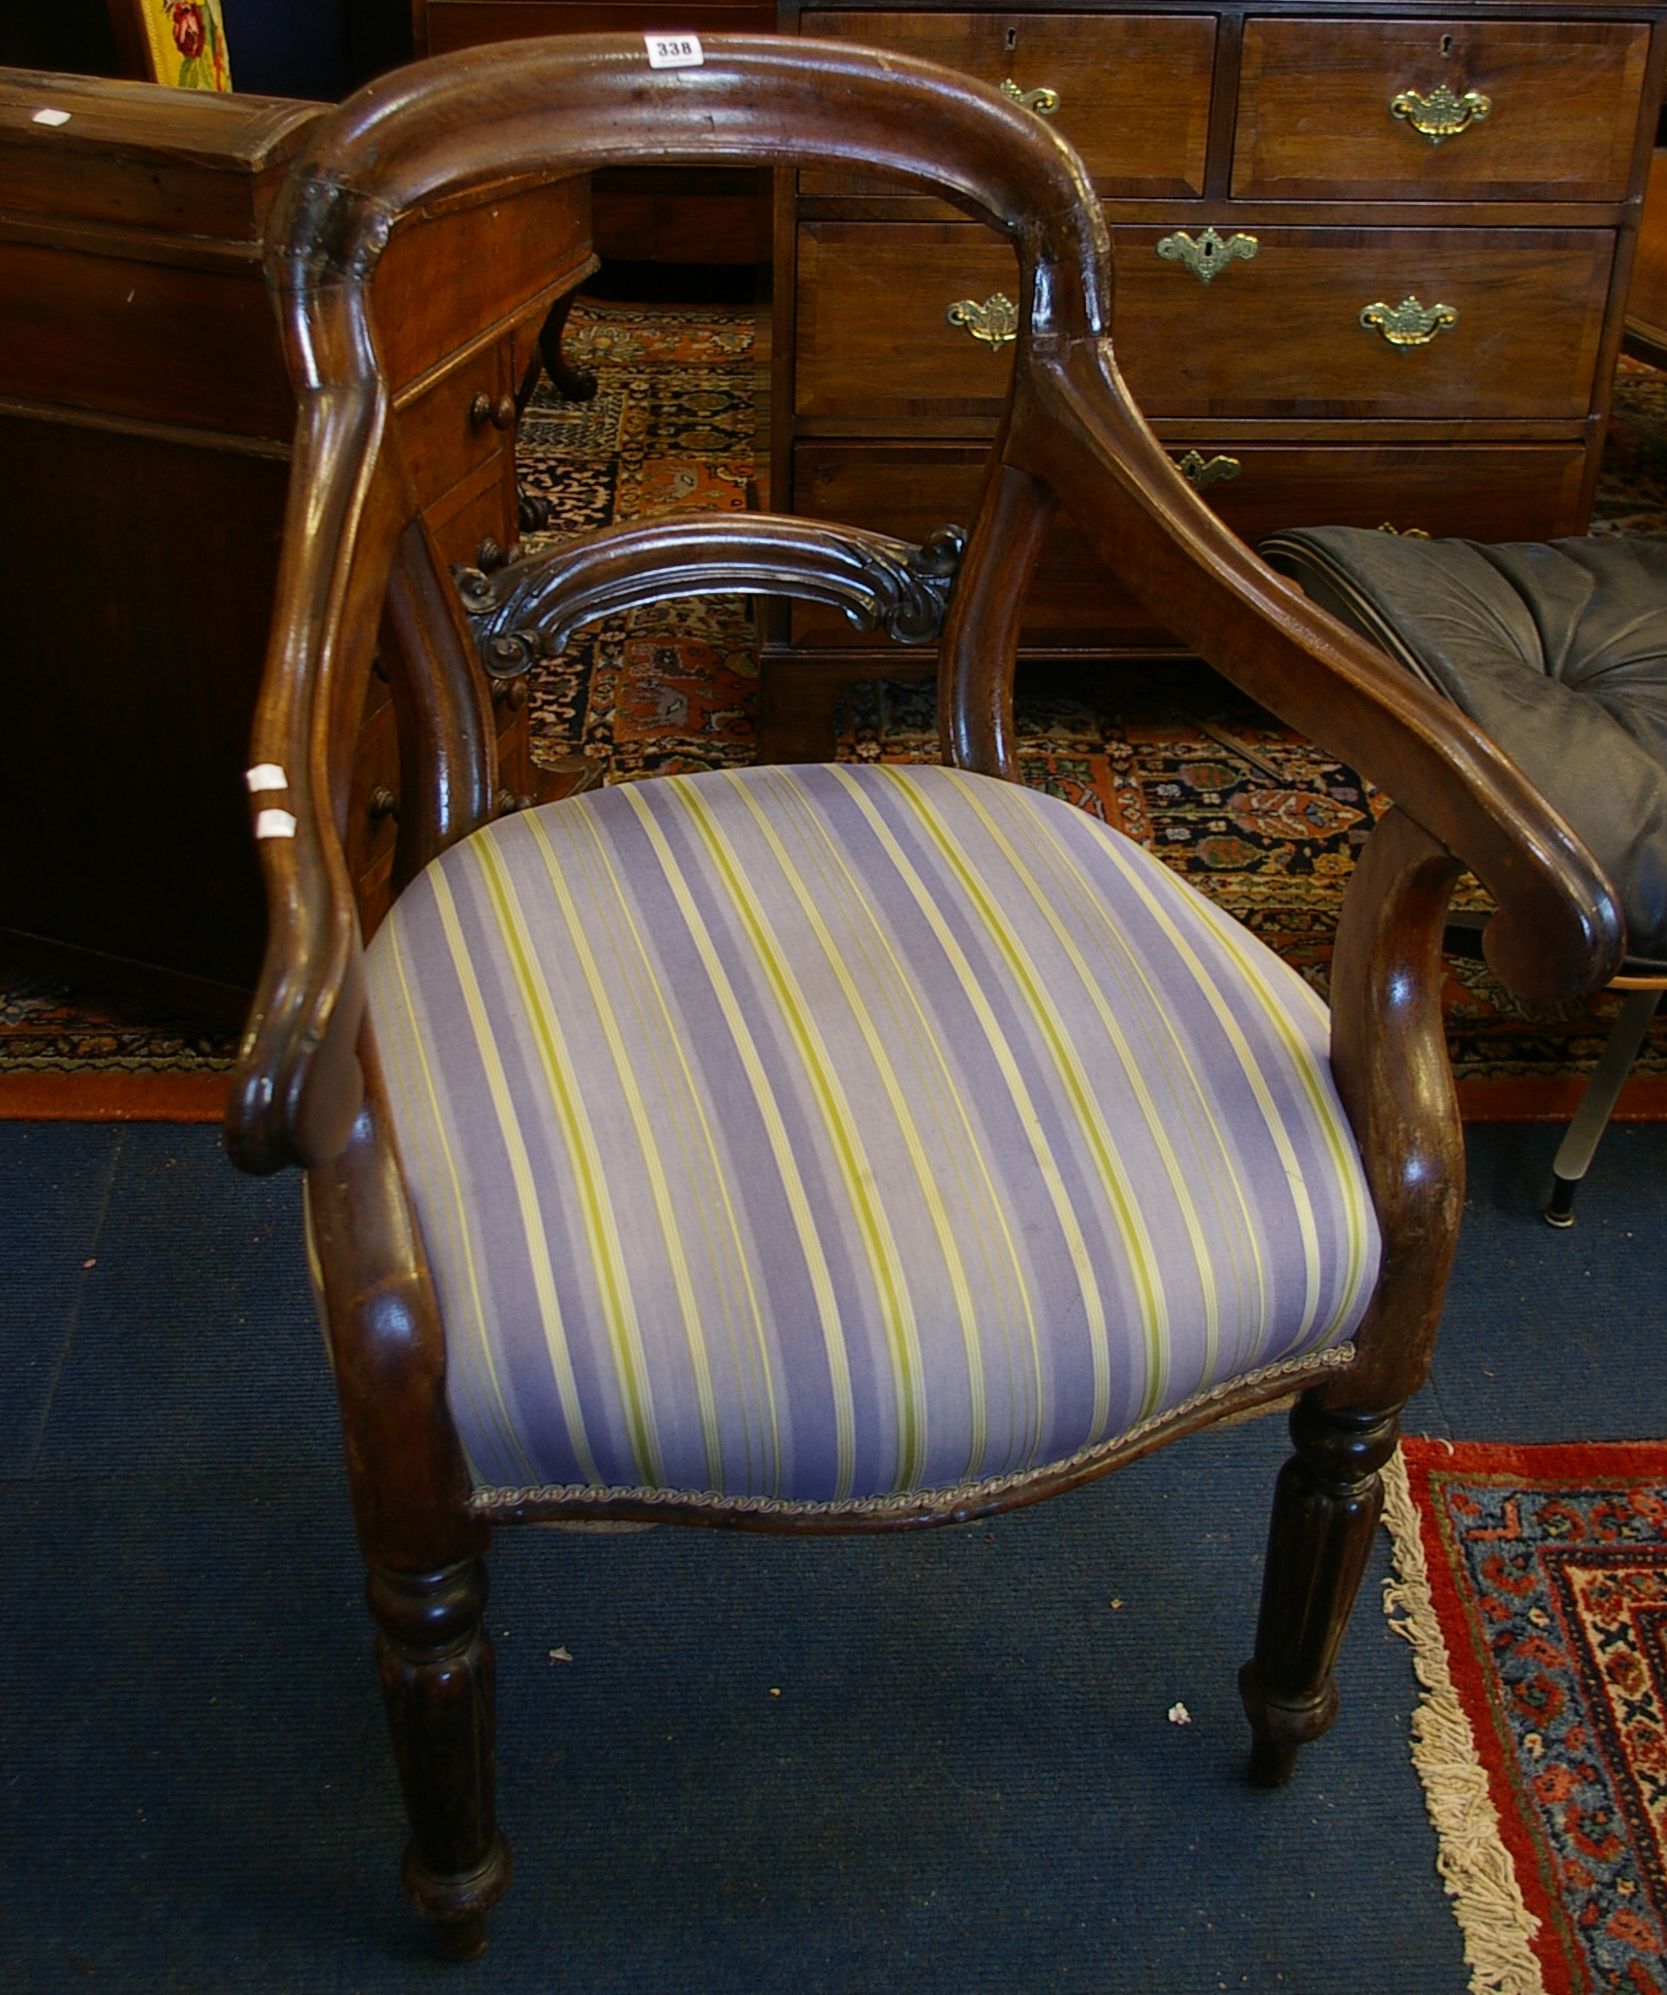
pixel 297 1087
pixel 1558 931
pixel 879 582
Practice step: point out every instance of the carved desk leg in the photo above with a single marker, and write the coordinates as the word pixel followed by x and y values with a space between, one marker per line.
pixel 572 383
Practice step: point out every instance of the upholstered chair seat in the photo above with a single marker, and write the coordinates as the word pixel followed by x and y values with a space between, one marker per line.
pixel 821 1135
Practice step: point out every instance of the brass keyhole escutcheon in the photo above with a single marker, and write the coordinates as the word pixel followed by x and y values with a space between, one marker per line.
pixel 1201 472
pixel 993 323
pixel 1207 254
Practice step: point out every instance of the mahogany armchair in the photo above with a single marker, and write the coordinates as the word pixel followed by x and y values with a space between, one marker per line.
pixel 837 1148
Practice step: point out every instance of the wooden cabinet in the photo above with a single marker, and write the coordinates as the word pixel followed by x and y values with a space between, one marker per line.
pixel 642 214
pixel 145 419
pixel 1371 267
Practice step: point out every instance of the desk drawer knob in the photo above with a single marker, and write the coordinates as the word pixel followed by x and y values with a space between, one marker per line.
pixel 382 803
pixel 1201 472
pixel 500 413
pixel 1408 323
pixel 1441 115
pixel 1043 101
pixel 1209 253
pixel 995 322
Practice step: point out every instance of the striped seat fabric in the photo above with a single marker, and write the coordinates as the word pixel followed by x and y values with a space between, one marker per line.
pixel 814 1135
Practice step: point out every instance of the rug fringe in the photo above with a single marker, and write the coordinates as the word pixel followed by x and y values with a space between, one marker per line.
pixel 1472 1861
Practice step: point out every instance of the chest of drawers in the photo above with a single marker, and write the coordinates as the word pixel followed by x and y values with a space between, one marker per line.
pixel 1370 264
pixel 145 422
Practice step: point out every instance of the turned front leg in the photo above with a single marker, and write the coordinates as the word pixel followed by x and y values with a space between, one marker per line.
pixel 1326 1504
pixel 435 1659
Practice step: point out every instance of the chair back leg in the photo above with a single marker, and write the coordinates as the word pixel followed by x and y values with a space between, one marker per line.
pixel 1597 1104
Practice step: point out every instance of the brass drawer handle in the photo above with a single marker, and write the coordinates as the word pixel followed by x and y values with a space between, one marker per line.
pixel 1408 323
pixel 1043 101
pixel 1441 115
pixel 381 804
pixel 1210 253
pixel 995 322
pixel 1201 472
pixel 500 414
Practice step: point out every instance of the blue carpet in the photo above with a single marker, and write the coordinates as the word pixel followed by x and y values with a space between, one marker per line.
pixel 930 1764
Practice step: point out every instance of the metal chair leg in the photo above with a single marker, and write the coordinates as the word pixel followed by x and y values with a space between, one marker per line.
pixel 1580 1139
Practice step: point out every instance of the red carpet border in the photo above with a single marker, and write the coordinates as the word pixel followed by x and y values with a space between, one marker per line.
pixel 1532 1585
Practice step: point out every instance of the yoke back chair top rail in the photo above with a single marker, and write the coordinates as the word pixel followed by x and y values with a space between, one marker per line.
pixel 843 1147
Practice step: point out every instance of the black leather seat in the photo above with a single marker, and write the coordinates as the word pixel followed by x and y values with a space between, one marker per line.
pixel 1559 650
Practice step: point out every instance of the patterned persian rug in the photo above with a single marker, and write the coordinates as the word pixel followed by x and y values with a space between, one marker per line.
pixel 1532 1585
pixel 1249 811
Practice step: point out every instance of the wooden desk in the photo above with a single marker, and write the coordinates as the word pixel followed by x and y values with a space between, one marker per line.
pixel 145 418
pixel 643 214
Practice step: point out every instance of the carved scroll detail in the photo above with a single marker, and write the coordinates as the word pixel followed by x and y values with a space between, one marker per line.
pixel 530 608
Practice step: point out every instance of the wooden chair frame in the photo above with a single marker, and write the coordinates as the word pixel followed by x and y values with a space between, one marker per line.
pixel 308 1090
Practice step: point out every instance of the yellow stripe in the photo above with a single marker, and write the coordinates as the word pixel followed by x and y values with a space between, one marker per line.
pixel 1234 1235
pixel 602 1008
pixel 902 1116
pixel 413 1042
pixel 844 1142
pixel 706 1183
pixel 1345 1157
pixel 1047 1166
pixel 958 1152
pixel 975 794
pixel 1333 1125
pixel 597 1222
pixel 1142 1261
pixel 526 1196
pixel 781 1149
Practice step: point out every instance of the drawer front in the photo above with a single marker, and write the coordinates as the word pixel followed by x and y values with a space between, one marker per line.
pixel 472 514
pixel 1276 335
pixel 1331 109
pixel 373 815
pixel 456 425
pixel 475 267
pixel 1133 90
pixel 1487 492
pixel 1282 334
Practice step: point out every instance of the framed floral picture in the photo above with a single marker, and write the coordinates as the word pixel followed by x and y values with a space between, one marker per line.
pixel 184 43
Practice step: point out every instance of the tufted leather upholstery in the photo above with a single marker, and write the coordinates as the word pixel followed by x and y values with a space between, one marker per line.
pixel 1557 648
